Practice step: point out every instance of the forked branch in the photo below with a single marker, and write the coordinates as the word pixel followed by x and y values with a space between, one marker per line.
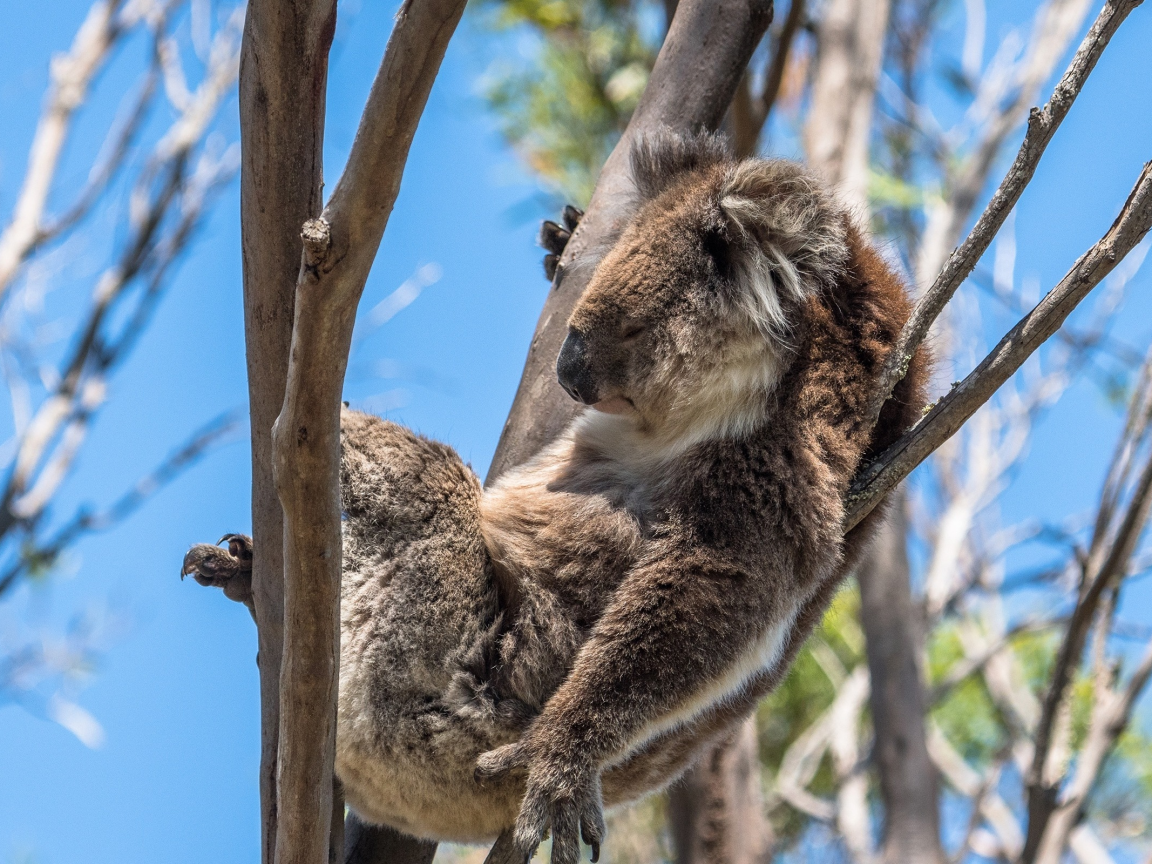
pixel 950 413
pixel 339 248
pixel 1042 125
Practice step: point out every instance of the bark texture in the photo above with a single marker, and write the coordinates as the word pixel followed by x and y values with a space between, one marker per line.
pixel 339 248
pixel 716 812
pixel 283 78
pixel 908 780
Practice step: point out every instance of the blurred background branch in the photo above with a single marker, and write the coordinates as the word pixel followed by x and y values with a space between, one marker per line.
pixel 148 188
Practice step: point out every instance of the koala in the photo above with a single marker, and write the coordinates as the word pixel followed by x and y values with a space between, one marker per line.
pixel 514 659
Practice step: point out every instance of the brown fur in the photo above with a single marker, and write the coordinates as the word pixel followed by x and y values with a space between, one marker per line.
pixel 611 607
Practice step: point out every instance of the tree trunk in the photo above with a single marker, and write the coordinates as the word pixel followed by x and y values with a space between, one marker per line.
pixel 283 78
pixel 849 54
pixel 716 811
pixel 908 780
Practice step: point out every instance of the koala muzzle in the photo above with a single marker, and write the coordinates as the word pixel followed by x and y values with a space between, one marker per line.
pixel 573 371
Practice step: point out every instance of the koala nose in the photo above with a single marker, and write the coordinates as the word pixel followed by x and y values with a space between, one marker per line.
pixel 573 371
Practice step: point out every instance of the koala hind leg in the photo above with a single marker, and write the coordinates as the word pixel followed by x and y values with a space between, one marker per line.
pixel 419 617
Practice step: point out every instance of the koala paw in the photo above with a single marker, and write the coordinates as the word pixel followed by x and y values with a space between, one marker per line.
pixel 562 794
pixel 228 569
pixel 555 237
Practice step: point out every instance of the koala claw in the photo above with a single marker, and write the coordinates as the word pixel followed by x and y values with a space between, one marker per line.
pixel 554 238
pixel 563 797
pixel 572 216
pixel 229 569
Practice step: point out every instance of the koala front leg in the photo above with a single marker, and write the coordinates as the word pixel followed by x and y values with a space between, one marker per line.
pixel 675 628
pixel 228 569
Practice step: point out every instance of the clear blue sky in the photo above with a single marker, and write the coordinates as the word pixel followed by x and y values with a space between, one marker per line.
pixel 176 689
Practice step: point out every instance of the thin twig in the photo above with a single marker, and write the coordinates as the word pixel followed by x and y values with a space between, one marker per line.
pixel 947 415
pixel 86 520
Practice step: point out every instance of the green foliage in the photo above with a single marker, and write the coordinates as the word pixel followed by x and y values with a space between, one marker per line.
pixel 564 106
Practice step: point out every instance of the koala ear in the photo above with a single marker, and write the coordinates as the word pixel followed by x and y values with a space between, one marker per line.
pixel 717 241
pixel 660 157
pixel 792 218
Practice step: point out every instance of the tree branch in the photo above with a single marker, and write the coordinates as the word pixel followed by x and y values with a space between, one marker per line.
pixel 71 75
pixel 1110 716
pixel 1106 565
pixel 946 416
pixel 283 78
pixel 339 248
pixel 1042 125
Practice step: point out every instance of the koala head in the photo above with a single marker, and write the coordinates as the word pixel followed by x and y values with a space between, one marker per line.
pixel 689 320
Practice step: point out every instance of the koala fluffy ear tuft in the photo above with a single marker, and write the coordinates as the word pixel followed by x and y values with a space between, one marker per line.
pixel 659 158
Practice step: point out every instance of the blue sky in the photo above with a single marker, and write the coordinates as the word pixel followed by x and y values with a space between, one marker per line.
pixel 176 689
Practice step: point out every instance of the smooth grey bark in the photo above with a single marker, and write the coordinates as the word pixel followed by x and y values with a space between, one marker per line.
pixel 283 79
pixel 909 785
pixel 339 248
pixel 716 811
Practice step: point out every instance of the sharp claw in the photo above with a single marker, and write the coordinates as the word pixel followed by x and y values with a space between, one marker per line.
pixel 595 852
pixel 572 216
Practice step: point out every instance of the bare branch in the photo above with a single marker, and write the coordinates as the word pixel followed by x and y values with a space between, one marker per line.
pixel 1110 716
pixel 339 249
pixel 71 75
pixel 942 421
pixel 154 242
pixel 1001 104
pixel 1042 125
pixel 1106 565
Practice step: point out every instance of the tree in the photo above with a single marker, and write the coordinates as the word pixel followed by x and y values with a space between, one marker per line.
pixel 297 363
pixel 155 178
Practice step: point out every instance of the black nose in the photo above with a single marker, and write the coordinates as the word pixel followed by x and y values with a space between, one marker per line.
pixel 573 371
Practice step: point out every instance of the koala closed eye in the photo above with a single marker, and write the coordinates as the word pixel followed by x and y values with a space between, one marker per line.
pixel 632 331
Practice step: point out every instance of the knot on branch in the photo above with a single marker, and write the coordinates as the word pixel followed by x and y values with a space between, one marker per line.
pixel 317 237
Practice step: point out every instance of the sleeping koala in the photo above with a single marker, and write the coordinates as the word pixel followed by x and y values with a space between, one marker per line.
pixel 574 636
